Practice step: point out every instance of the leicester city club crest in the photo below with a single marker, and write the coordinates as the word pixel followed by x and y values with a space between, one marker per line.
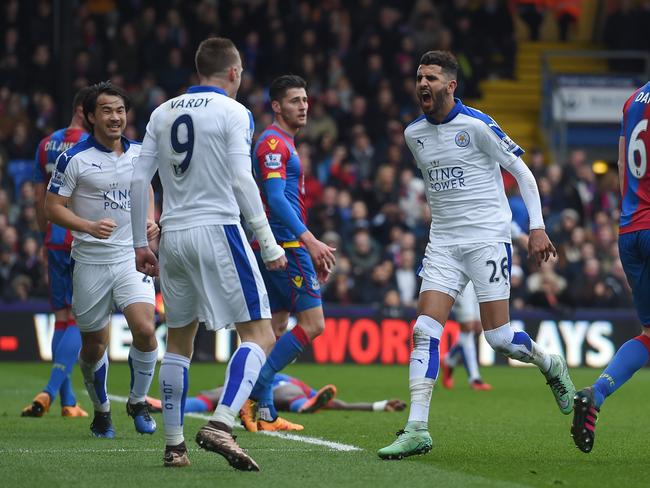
pixel 462 139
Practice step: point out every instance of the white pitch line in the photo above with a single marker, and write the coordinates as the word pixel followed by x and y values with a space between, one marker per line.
pixel 335 446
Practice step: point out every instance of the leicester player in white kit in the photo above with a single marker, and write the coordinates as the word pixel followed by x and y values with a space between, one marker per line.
pixel 89 194
pixel 459 151
pixel 200 144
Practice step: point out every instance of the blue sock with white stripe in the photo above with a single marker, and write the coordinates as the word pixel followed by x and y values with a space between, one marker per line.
pixel 95 376
pixel 241 374
pixel 423 369
pixel 173 379
pixel 516 344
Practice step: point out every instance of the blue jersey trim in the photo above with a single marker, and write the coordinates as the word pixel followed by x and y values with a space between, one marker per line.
pixel 416 120
pixel 456 109
pixel 205 88
pixel 126 144
pixel 65 157
pixel 489 121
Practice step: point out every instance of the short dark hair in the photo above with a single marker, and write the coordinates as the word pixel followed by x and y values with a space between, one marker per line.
pixel 282 84
pixel 79 98
pixel 444 59
pixel 101 88
pixel 215 55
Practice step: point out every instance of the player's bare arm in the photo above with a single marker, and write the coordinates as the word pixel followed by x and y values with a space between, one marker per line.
pixel 56 210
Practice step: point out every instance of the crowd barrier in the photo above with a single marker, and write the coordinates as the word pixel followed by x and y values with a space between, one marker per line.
pixel 361 335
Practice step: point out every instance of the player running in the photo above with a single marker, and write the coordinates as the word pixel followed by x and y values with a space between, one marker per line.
pixel 459 151
pixel 291 394
pixel 634 249
pixel 66 340
pixel 200 144
pixel 89 194
pixel 295 290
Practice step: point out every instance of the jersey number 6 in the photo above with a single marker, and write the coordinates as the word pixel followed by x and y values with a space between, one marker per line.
pixel 182 148
pixel 637 145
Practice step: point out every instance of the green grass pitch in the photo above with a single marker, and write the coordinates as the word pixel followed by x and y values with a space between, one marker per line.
pixel 512 436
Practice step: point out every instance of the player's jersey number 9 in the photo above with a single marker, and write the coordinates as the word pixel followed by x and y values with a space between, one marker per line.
pixel 182 139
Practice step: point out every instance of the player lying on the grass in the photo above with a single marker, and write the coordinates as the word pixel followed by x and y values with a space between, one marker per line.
pixel 634 249
pixel 290 395
pixel 89 194
pixel 460 152
pixel 66 340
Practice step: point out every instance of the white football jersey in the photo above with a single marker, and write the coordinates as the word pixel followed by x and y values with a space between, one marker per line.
pixel 192 136
pixel 98 183
pixel 459 159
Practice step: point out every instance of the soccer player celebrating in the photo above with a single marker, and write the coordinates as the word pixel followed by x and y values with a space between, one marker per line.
pixel 279 174
pixel 89 194
pixel 66 340
pixel 459 150
pixel 634 249
pixel 200 144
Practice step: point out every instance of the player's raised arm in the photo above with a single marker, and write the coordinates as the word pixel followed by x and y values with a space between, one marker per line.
pixel 247 193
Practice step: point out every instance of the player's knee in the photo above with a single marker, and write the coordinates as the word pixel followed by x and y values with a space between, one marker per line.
pixel 144 337
pixel 92 350
pixel 314 328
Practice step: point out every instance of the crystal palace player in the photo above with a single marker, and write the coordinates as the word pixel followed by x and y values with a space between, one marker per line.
pixel 634 249
pixel 290 394
pixel 279 174
pixel 66 340
pixel 459 151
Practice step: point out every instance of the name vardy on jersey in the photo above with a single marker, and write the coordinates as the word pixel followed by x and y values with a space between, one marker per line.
pixel 191 102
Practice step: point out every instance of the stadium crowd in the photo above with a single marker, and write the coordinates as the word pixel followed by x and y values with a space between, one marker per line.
pixel 364 194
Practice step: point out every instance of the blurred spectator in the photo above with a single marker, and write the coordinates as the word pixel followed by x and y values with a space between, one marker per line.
pixel 363 191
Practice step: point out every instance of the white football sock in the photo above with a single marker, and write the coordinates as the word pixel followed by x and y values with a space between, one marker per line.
pixel 241 375
pixel 174 380
pixel 517 345
pixel 423 367
pixel 95 376
pixel 143 366
pixel 466 341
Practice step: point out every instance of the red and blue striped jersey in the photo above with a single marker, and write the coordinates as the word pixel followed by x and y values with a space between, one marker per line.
pixel 49 149
pixel 279 174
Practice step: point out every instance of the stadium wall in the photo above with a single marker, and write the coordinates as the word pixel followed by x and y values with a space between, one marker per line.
pixel 353 335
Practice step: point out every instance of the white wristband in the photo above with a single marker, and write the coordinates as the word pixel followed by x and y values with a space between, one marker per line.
pixel 269 248
pixel 379 406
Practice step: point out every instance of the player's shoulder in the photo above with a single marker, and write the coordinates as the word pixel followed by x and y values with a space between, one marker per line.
pixel 132 146
pixel 415 124
pixel 271 140
pixel 474 116
pixel 74 153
